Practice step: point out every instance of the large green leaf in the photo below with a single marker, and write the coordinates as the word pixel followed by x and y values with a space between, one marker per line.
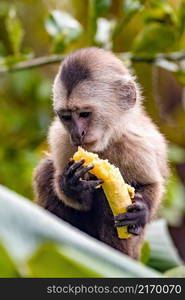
pixel 178 272
pixel 7 266
pixel 164 255
pixel 51 261
pixel 24 226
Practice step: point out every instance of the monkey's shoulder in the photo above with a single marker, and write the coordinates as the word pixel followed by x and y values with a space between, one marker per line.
pixel 43 182
pixel 141 155
pixel 44 171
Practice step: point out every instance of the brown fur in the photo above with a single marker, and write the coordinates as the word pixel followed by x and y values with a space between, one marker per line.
pixel 127 137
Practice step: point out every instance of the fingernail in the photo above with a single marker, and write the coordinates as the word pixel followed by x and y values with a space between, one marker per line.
pixel 90 166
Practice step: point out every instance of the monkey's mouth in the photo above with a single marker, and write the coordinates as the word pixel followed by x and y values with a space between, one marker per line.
pixel 84 145
pixel 88 144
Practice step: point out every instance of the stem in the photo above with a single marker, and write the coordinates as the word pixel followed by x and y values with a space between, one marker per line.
pixel 51 59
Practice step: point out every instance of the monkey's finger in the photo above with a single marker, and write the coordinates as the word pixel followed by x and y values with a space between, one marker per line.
pixel 126 216
pixel 83 170
pixel 71 170
pixel 136 206
pixel 125 223
pixel 70 162
pixel 138 196
pixel 135 229
pixel 89 184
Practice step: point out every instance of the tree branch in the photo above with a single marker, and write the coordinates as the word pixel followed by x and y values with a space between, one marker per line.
pixel 33 63
pixel 51 59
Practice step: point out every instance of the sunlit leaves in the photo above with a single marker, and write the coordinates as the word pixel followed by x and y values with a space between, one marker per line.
pixel 15 31
pixel 155 38
pixel 63 28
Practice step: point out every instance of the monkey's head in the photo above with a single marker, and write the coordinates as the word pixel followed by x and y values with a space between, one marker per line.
pixel 92 94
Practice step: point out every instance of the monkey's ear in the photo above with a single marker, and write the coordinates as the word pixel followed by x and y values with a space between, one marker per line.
pixel 126 93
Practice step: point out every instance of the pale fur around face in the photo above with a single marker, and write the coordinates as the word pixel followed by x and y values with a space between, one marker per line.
pixel 127 137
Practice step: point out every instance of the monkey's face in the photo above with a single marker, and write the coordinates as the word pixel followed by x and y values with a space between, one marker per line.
pixel 92 93
pixel 85 127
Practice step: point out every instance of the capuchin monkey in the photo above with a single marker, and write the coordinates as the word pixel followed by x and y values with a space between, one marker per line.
pixel 98 106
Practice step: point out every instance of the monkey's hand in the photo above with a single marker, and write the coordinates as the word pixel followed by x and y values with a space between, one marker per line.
pixel 135 218
pixel 73 183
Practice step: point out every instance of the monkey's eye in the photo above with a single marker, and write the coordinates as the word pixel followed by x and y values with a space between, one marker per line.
pixel 66 117
pixel 85 114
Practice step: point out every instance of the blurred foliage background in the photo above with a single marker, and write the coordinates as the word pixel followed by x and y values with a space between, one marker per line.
pixel 148 35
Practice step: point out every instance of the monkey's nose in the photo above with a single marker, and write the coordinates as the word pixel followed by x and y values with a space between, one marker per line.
pixel 77 140
pixel 77 137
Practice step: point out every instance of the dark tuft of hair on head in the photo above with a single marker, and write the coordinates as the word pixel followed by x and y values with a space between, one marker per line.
pixel 73 72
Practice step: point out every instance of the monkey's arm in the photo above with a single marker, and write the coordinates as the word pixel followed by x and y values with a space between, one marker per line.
pixel 75 192
pixel 74 185
pixel 46 196
pixel 143 208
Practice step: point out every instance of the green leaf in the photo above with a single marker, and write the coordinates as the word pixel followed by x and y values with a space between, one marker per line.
pixel 11 60
pixel 181 17
pixel 3 50
pixel 15 31
pixel 145 253
pixel 101 7
pixel 103 33
pixel 7 266
pixel 176 154
pixel 59 44
pixel 178 272
pixel 52 261
pixel 24 226
pixel 155 38
pixel 180 76
pixel 163 255
pixel 131 6
pixel 162 12
pixel 63 28
pixel 174 206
